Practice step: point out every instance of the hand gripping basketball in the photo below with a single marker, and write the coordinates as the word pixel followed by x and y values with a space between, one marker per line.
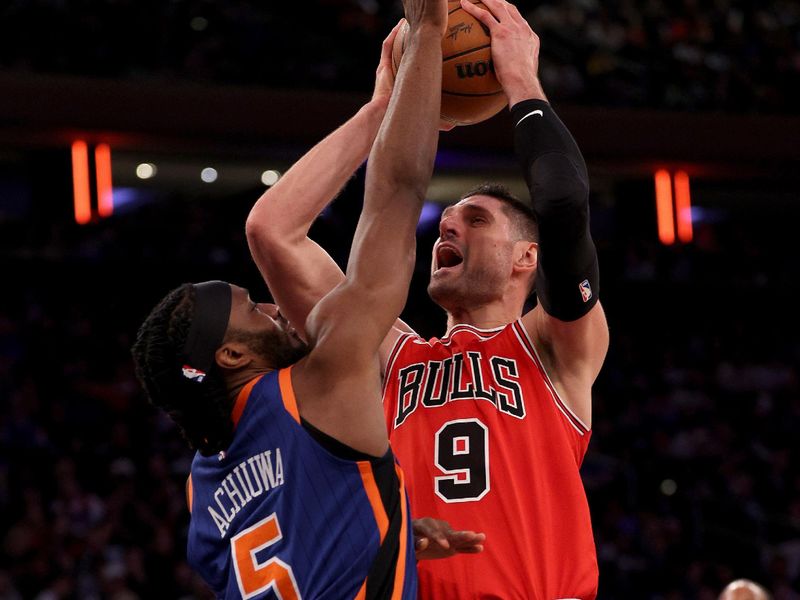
pixel 471 92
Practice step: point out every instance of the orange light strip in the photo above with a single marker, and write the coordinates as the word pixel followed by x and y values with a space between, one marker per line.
pixel 105 189
pixel 80 182
pixel 683 206
pixel 666 225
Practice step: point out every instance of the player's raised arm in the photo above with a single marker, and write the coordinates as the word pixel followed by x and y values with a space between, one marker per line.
pixel 296 269
pixel 569 322
pixel 398 172
pixel 347 327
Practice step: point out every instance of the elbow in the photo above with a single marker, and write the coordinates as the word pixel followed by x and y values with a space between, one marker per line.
pixel 254 229
pixel 261 223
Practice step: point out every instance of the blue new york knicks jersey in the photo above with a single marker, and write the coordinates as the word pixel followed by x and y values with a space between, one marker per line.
pixel 280 516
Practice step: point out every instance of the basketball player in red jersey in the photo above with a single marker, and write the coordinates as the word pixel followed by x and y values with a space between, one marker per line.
pixel 492 421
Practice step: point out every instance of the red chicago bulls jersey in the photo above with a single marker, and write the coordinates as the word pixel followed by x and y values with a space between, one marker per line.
pixel 487 444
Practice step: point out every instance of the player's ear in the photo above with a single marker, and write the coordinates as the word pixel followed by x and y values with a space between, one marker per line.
pixel 526 256
pixel 233 355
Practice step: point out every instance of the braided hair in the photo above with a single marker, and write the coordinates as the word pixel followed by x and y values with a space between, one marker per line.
pixel 202 413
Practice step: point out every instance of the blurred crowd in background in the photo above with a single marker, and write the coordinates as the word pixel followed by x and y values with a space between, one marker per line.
pixel 733 55
pixel 692 473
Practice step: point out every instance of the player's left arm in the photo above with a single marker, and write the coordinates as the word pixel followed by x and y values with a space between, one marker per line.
pixel 297 270
pixel 569 323
pixel 338 385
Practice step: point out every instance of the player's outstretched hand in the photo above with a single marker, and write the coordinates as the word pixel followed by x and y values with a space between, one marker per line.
pixel 515 48
pixel 434 538
pixel 384 75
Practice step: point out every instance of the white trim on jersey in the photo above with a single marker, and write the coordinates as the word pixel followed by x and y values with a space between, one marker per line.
pixel 484 334
pixel 479 329
pixel 395 352
pixel 559 402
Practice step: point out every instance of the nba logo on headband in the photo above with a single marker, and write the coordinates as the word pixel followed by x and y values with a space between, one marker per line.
pixel 193 374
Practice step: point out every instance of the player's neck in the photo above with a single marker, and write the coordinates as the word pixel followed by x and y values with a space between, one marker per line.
pixel 488 316
pixel 235 382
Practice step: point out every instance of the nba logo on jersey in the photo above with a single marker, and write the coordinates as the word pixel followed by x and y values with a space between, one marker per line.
pixel 193 374
pixel 586 290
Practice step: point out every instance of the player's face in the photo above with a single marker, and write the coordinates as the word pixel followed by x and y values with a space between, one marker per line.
pixel 264 330
pixel 473 257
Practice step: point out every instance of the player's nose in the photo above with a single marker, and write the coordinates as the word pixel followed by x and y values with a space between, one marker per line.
pixel 269 309
pixel 448 228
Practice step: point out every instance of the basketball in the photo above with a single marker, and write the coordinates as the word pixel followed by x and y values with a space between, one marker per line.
pixel 470 90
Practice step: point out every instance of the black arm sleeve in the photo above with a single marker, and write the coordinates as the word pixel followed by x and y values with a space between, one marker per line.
pixel 567 279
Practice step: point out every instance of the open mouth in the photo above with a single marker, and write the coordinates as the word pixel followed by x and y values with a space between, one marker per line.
pixel 447 257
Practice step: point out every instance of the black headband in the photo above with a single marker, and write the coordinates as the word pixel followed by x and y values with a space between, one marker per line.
pixel 212 310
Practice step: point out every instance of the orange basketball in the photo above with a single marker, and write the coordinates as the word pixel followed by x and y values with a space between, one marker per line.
pixel 470 90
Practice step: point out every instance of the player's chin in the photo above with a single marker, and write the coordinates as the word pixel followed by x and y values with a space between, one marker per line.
pixel 445 277
pixel 297 343
pixel 291 352
pixel 442 288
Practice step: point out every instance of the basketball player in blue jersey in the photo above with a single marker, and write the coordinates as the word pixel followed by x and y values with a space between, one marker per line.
pixel 294 491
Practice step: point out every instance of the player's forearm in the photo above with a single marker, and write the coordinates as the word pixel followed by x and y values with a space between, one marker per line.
pixel 568 278
pixel 398 174
pixel 405 148
pixel 297 271
pixel 552 163
pixel 288 208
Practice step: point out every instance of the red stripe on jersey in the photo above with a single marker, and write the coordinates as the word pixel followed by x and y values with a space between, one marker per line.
pixel 362 593
pixel 287 393
pixel 526 341
pixel 189 492
pixel 241 400
pixel 374 496
pixel 400 572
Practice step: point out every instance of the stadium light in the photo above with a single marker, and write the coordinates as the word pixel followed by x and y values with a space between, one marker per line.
pixel 666 225
pixel 80 182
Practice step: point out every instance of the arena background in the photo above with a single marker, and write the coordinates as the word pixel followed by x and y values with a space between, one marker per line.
pixel 692 473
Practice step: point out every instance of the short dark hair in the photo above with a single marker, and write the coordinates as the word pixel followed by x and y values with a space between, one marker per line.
pixel 201 411
pixel 518 212
pixel 522 217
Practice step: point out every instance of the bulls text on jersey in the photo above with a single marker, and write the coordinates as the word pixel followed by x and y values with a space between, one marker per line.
pixel 437 382
pixel 247 480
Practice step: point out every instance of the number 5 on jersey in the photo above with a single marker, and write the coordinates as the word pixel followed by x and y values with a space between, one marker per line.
pixel 462 453
pixel 254 577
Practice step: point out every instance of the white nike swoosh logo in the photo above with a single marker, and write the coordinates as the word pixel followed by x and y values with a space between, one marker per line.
pixel 535 112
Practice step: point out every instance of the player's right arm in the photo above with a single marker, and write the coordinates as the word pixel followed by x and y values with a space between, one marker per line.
pixel 296 269
pixel 338 385
pixel 434 538
pixel 569 324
